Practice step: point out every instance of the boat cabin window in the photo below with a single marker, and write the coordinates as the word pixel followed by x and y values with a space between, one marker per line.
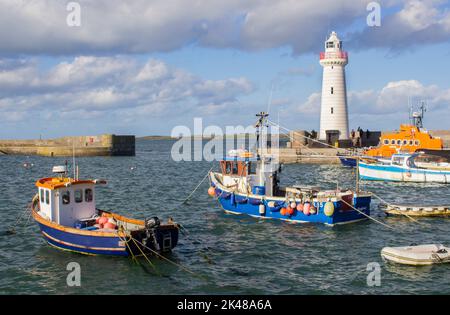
pixel 251 168
pixel 417 142
pixel 399 142
pixel 41 192
pixel 88 195
pixel 405 142
pixel 240 168
pixel 386 141
pixel 397 160
pixel 78 195
pixel 392 141
pixel 66 198
pixel 47 197
pixel 411 142
pixel 235 168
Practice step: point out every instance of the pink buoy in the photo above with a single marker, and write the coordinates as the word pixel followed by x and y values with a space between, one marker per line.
pixel 103 220
pixel 300 207
pixel 306 208
pixel 109 225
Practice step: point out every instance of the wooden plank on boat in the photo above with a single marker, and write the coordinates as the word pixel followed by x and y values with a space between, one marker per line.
pixel 418 210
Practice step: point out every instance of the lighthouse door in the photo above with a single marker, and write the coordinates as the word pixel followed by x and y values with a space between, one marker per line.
pixel 332 136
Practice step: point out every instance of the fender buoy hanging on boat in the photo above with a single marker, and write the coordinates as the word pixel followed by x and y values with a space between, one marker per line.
pixel 300 207
pixel 290 211
pixel 262 209
pixel 312 210
pixel 283 211
pixel 306 208
pixel 211 191
pixel 328 209
pixel 293 205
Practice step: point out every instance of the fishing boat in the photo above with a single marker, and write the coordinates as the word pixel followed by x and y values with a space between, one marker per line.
pixel 409 138
pixel 66 212
pixel 248 183
pixel 403 168
pixel 417 255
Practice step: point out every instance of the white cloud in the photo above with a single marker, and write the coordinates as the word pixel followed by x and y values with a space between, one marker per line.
pixel 385 108
pixel 112 85
pixel 418 22
pixel 142 26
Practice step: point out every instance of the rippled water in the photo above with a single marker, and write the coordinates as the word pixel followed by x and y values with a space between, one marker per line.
pixel 248 256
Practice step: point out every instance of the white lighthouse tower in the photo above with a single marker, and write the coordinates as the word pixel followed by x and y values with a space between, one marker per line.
pixel 333 110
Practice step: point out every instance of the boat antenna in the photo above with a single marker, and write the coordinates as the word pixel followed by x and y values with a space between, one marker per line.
pixel 73 156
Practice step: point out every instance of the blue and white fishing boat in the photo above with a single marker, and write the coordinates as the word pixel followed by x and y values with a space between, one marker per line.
pixel 248 183
pixel 405 167
pixel 66 213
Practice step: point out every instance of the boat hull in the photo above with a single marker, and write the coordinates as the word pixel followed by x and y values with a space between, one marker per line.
pixel 106 243
pixel 347 161
pixel 230 202
pixel 400 174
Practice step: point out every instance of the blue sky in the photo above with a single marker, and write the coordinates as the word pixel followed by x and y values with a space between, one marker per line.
pixel 144 67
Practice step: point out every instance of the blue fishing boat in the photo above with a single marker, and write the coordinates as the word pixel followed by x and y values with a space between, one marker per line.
pixel 406 167
pixel 65 210
pixel 248 183
pixel 347 160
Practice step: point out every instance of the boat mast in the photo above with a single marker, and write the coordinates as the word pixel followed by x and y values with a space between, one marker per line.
pixel 261 140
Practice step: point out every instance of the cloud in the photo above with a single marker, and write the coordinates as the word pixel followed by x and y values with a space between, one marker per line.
pixel 385 108
pixel 142 26
pixel 417 23
pixel 115 86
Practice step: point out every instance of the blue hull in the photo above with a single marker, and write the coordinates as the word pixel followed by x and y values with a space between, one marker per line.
pixel 348 161
pixel 85 244
pixel 236 203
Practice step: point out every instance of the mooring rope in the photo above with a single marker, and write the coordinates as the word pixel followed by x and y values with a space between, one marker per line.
pixel 168 260
pixel 195 189
pixel 368 216
pixel 406 215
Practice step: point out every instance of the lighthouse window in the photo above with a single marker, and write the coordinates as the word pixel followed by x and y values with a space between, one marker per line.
pixel 78 196
pixel 47 197
pixel 330 45
pixel 88 195
pixel 331 90
pixel 332 110
pixel 66 198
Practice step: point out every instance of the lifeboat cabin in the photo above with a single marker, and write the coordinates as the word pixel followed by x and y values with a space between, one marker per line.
pixel 66 212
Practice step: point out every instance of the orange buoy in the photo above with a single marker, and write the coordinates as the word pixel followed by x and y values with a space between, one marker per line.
pixel 283 211
pixel 211 191
pixel 290 210
pixel 300 207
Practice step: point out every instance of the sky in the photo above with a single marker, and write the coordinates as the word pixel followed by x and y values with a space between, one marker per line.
pixel 144 67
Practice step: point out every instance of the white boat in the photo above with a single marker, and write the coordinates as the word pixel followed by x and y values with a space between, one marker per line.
pixel 403 168
pixel 419 255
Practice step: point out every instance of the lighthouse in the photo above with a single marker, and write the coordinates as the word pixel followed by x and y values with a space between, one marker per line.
pixel 333 108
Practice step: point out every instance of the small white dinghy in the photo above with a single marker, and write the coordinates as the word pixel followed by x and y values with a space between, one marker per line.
pixel 419 255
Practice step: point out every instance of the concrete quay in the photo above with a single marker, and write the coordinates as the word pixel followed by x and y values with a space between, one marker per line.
pixel 102 145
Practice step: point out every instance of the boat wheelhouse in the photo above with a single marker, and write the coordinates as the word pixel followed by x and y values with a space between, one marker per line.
pixel 249 184
pixel 66 212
